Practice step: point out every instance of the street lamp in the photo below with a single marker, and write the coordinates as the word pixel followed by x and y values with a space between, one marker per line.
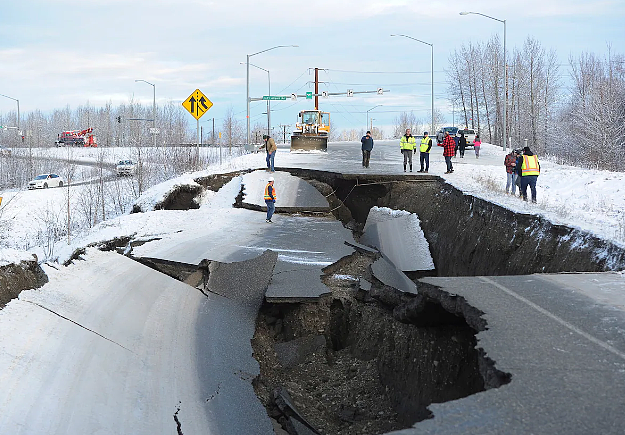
pixel 18 112
pixel 153 109
pixel 505 75
pixel 369 111
pixel 248 84
pixel 268 101
pixel 432 47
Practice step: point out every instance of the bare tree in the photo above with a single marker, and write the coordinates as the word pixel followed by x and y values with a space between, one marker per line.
pixel 233 129
pixel 403 121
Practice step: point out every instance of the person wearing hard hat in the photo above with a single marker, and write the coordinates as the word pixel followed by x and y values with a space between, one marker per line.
pixel 270 199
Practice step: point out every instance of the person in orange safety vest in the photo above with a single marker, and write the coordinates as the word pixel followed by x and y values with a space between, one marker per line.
pixel 270 199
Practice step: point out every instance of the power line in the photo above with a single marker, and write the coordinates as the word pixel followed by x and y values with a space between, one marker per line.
pixel 385 72
pixel 388 84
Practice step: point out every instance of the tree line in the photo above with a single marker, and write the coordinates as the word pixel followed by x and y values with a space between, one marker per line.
pixel 581 124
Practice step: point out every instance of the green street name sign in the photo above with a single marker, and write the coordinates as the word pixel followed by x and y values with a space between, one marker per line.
pixel 273 97
pixel 309 95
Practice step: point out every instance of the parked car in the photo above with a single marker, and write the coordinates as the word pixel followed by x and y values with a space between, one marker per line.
pixel 4 151
pixel 469 134
pixel 452 130
pixel 126 167
pixel 44 181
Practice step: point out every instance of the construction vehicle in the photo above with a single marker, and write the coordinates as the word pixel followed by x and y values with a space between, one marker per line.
pixel 77 138
pixel 311 131
pixel 313 126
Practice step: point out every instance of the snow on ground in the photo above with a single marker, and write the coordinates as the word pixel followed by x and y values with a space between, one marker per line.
pixel 591 200
pixel 14 256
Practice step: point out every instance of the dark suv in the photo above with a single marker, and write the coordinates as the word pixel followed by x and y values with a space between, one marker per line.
pixel 452 130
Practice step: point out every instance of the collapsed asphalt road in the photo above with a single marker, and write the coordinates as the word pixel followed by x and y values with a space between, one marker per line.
pixel 336 343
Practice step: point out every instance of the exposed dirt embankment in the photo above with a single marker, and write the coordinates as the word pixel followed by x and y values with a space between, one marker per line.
pixel 469 236
pixel 17 277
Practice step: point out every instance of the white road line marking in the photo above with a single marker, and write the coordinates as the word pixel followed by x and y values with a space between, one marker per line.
pixel 563 322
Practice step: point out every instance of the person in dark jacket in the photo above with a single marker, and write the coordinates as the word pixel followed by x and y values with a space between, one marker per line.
pixel 462 144
pixel 367 146
pixel 510 163
pixel 528 169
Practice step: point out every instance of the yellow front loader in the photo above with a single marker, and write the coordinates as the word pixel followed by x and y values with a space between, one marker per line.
pixel 311 131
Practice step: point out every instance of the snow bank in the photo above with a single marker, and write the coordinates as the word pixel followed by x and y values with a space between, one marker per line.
pixel 156 195
pixel 14 256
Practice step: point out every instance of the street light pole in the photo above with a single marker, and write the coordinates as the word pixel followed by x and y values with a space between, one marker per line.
pixel 432 47
pixel 505 76
pixel 18 111
pixel 368 114
pixel 248 85
pixel 153 109
pixel 268 101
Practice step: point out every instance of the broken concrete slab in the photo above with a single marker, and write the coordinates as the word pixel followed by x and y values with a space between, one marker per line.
pixel 297 351
pixel 293 193
pixel 295 283
pixel 296 421
pixel 399 236
pixel 363 284
pixel 362 248
pixel 384 270
pixel 245 281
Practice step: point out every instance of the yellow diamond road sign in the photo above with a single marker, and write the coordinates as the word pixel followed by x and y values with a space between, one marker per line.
pixel 197 104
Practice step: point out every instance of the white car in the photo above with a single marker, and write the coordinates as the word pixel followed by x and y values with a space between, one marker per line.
pixel 469 134
pixel 44 181
pixel 126 167
pixel 4 151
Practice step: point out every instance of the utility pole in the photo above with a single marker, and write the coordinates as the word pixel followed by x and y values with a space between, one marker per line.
pixel 316 88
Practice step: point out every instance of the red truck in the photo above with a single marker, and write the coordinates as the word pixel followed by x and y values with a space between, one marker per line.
pixel 77 138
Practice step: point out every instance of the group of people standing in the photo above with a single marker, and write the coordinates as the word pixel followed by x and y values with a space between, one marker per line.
pixel 522 169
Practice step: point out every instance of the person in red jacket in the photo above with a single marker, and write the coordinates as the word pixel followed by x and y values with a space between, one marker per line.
pixel 449 149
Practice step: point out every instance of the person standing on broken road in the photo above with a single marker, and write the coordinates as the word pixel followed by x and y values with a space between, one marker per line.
pixel 270 199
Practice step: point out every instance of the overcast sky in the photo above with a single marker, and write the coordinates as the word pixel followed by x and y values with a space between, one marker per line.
pixel 55 53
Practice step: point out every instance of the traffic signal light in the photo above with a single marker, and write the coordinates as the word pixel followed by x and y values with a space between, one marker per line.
pixel 119 119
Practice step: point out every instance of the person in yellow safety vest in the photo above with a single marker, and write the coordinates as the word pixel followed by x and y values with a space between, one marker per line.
pixel 408 145
pixel 424 149
pixel 270 199
pixel 528 169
